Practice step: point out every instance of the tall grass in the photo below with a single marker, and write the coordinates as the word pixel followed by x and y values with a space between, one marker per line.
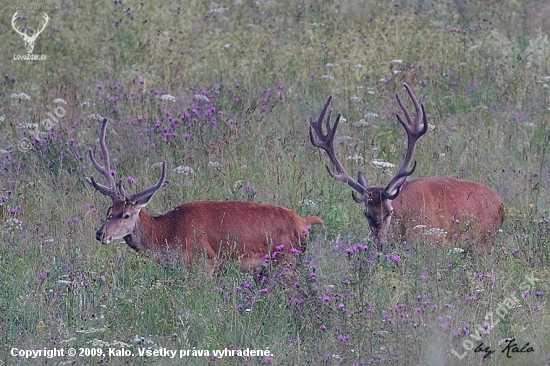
pixel 224 92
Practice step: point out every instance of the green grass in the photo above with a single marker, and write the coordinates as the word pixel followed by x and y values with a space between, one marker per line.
pixel 266 67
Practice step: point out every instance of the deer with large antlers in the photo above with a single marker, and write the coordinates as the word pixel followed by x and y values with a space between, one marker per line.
pixel 425 208
pixel 29 40
pixel 244 231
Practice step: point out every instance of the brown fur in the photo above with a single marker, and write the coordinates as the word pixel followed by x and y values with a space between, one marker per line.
pixel 464 209
pixel 242 231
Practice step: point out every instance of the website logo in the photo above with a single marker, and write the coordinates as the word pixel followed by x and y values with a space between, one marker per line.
pixel 29 39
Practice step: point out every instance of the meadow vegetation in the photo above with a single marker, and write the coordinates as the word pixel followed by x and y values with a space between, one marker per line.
pixel 223 91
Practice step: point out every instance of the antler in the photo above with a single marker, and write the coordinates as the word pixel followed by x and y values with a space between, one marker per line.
pixel 29 39
pixel 147 193
pixel 23 34
pixel 45 16
pixel 326 142
pixel 111 188
pixel 414 132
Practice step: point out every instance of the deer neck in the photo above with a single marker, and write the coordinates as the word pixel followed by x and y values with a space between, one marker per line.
pixel 146 235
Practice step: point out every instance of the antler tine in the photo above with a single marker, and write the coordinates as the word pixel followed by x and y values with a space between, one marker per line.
pixel 414 132
pixel 146 194
pixel 326 143
pixel 46 18
pixel 13 19
pixel 110 189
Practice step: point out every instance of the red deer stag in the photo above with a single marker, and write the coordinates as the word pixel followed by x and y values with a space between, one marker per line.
pixel 428 206
pixel 243 231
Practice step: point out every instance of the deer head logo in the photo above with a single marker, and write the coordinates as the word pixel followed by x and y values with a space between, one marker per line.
pixel 29 40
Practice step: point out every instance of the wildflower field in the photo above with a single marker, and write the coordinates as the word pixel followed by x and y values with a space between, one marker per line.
pixel 224 92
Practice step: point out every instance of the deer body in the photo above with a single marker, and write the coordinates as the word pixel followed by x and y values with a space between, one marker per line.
pixel 458 209
pixel 462 209
pixel 244 231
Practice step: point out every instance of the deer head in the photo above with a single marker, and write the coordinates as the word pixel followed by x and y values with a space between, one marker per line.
pixel 377 201
pixel 123 215
pixel 29 40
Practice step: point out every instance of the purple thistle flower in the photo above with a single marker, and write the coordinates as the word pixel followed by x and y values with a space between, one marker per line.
pixel 131 179
pixel 43 274
pixel 343 338
pixel 538 293
pixel 295 251
pixel 324 298
pixel 396 258
pixel 280 248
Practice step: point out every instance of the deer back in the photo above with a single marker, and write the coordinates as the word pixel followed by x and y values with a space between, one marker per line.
pixel 462 209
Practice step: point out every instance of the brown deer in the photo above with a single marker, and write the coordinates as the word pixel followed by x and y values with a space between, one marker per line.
pixel 433 208
pixel 248 232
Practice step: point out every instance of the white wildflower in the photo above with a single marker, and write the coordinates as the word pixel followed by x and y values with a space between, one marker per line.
pixel 2 119
pixel 329 64
pixel 396 61
pixel 28 126
pixel 21 96
pixel 226 46
pixel 183 169
pixel 308 203
pixel 201 98
pixel 370 115
pixel 355 158
pixel 327 77
pixel 13 224
pixel 431 127
pixel 382 164
pixel 370 91
pixel 435 232
pixel 168 97
pixel 59 101
pixel 361 122
pixel 359 66
pixel 157 165
pixel 418 227
pixel 86 103
pixel 355 98
pixel 455 251
pixel 214 165
pixel 95 116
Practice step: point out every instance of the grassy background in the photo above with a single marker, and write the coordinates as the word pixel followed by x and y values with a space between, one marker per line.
pixel 245 77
